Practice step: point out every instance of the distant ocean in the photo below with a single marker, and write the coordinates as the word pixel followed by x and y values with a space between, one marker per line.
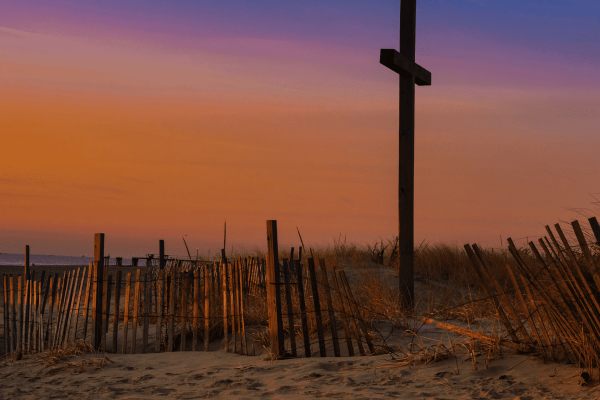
pixel 40 259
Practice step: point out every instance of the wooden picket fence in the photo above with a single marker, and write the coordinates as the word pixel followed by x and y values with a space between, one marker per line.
pixel 185 306
pixel 551 304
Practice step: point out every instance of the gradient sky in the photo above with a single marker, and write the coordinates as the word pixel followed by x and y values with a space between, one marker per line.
pixel 150 120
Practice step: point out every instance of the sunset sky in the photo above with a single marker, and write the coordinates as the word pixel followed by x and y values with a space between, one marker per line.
pixel 150 120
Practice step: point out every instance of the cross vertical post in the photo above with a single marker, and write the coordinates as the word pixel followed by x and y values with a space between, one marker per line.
pixel 403 63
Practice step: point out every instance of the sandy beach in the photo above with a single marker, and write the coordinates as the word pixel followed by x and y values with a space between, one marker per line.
pixel 217 374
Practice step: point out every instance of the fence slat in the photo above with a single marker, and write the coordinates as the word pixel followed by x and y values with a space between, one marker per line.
pixel 358 315
pixel 171 312
pixel 231 278
pixel 13 322
pixel 332 320
pixel 126 312
pixel 236 305
pixel 184 293
pixel 206 307
pixel 225 276
pixel 63 327
pixel 147 301
pixel 25 322
pixel 40 330
pixel 207 283
pixel 34 303
pixel 40 318
pixel 274 291
pixel 303 319
pixel 290 309
pixel 63 284
pixel 51 301
pixel 78 305
pixel 116 311
pixel 136 309
pixel 31 315
pixel 159 308
pixel 343 315
pixel 241 313
pixel 20 311
pixel 55 310
pixel 71 307
pixel 86 301
pixel 25 319
pixel 106 317
pixel 6 316
pixel 351 315
pixel 315 292
pixel 195 310
pixel 103 286
pixel 45 299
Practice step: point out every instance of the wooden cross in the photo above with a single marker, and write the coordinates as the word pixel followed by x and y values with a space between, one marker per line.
pixel 403 63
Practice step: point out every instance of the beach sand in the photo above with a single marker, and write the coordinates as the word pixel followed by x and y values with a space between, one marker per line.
pixel 217 374
pixel 192 375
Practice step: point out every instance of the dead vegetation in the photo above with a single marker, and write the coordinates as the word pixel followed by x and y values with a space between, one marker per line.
pixel 77 356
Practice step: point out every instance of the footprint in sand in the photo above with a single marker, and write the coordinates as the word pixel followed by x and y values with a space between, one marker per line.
pixel 328 366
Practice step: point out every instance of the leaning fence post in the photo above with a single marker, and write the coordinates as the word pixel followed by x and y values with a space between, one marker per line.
pixel 361 322
pixel 274 291
pixel 332 320
pixel 317 303
pixel 351 315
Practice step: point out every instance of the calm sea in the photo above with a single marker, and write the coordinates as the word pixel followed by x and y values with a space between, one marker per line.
pixel 40 259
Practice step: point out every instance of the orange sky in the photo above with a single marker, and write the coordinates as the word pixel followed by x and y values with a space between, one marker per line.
pixel 143 142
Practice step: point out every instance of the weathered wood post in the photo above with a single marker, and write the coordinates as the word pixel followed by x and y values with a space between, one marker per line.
pixel 161 254
pixel 26 269
pixel 274 291
pixel 97 288
pixel 403 63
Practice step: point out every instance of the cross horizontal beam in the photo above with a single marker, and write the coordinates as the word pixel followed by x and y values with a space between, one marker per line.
pixel 402 65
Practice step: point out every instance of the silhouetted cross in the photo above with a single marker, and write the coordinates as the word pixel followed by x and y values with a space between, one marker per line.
pixel 403 63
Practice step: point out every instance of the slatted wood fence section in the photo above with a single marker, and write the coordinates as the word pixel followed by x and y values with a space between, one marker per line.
pixel 552 304
pixel 184 307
